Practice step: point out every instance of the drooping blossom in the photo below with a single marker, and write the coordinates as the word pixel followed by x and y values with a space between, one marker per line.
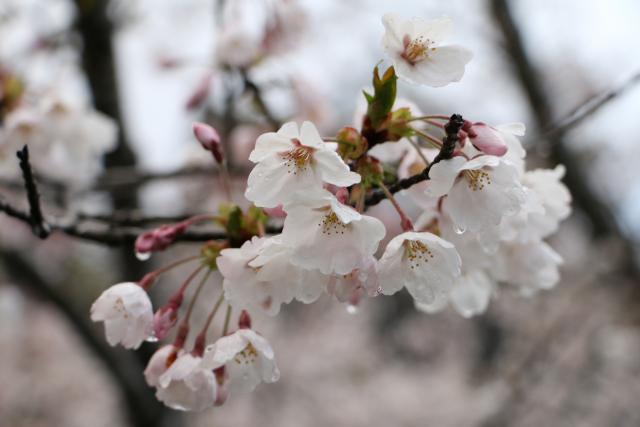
pixel 247 358
pixel 186 385
pixel 292 161
pixel 161 360
pixel 328 236
pixel 424 263
pixel 415 48
pixel 127 314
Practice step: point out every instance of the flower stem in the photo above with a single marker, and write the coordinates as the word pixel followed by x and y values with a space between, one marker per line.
pixel 198 347
pixel 429 138
pixel 149 279
pixel 194 298
pixel 419 151
pixel 430 117
pixel 405 221
pixel 227 318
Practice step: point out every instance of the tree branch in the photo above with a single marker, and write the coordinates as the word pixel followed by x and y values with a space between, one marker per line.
pixel 449 141
pixel 590 107
pixel 35 217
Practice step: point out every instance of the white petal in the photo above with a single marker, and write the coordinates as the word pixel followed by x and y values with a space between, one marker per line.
pixel 442 176
pixel 333 169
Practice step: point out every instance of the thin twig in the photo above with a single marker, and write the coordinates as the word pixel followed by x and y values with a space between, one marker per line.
pixel 588 108
pixel 36 219
pixel 252 87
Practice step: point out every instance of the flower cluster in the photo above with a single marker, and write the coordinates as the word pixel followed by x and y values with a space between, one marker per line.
pixel 59 132
pixel 479 220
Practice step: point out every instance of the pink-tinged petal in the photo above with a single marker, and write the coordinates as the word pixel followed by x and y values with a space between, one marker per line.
pixel 487 139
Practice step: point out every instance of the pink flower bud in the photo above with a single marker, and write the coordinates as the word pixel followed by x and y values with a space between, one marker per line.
pixel 160 238
pixel 200 94
pixel 208 137
pixel 244 322
pixel 342 195
pixel 486 139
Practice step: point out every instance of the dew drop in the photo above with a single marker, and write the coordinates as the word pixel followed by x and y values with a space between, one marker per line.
pixel 143 256
pixel 459 230
pixel 352 309
pixel 151 338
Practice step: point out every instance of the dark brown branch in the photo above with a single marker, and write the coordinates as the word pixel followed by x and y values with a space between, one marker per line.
pixel 252 87
pixel 35 217
pixel 124 368
pixel 449 142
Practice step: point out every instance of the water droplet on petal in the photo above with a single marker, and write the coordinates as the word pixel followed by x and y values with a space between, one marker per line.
pixel 152 338
pixel 143 256
pixel 459 230
pixel 352 309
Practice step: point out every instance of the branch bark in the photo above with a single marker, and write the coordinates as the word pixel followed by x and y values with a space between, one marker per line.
pixel 577 179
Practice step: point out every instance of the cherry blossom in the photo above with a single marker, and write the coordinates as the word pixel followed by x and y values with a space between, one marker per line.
pixel 329 236
pixel 424 263
pixel 159 363
pixel 292 161
pixel 530 266
pixel 247 357
pixel 186 385
pixel 127 314
pixel 260 277
pixel 480 192
pixel 415 47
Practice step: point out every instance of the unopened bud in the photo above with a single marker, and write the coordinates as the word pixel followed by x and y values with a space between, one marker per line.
pixel 208 137
pixel 244 322
pixel 159 239
pixel 485 138
pixel 351 145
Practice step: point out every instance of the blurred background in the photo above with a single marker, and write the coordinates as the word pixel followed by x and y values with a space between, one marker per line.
pixel 568 70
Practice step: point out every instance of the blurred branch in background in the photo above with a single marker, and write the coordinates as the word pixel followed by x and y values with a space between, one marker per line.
pixel 602 218
pixel 123 366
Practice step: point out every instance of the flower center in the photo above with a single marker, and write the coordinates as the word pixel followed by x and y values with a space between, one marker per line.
pixel 246 356
pixel 298 158
pixel 416 50
pixel 417 253
pixel 331 224
pixel 477 179
pixel 120 308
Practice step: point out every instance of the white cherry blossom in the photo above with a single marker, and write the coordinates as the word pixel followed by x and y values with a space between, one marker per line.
pixel 328 236
pixel 186 385
pixel 259 276
pixel 247 357
pixel 415 47
pixel 480 191
pixel 471 293
pixel 67 141
pixel 292 161
pixel 530 266
pixel 424 263
pixel 515 152
pixel 158 364
pixel 127 314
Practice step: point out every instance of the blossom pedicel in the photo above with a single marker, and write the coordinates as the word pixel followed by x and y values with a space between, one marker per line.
pixel 479 226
